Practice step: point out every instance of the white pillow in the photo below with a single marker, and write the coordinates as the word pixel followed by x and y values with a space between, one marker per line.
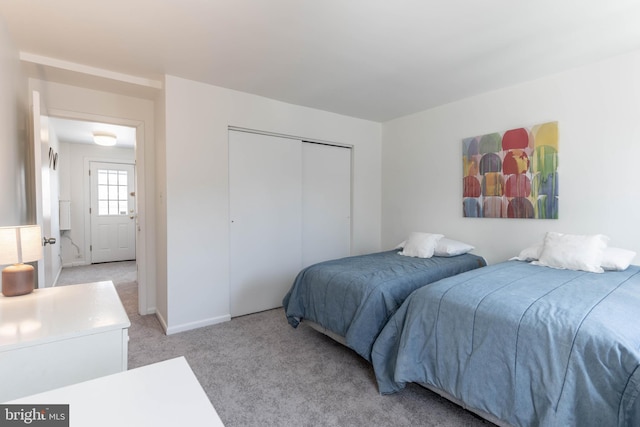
pixel 449 247
pixel 573 252
pixel 532 253
pixel 617 259
pixel 421 245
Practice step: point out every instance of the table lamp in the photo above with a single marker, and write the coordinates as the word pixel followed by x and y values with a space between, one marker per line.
pixel 19 244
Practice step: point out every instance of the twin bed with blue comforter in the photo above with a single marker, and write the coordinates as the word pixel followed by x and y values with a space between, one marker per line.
pixel 524 345
pixel 353 297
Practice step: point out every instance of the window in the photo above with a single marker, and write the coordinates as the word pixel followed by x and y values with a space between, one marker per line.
pixel 112 192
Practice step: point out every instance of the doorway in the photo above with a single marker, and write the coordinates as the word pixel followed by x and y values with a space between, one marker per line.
pixel 99 184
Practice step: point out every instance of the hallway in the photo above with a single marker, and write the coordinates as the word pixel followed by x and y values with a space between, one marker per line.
pixel 118 272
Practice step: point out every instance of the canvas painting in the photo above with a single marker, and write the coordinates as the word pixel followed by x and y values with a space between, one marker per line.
pixel 513 174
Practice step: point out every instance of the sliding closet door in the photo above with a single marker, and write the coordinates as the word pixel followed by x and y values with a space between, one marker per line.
pixel 265 187
pixel 326 202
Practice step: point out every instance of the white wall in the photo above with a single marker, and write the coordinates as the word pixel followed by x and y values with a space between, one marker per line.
pixel 598 110
pixel 197 189
pixel 15 209
pixel 13 135
pixel 74 186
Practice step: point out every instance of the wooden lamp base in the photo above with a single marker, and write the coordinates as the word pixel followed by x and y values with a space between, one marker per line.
pixel 18 279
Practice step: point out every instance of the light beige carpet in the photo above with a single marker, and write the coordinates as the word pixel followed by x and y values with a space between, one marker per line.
pixel 258 371
pixel 118 272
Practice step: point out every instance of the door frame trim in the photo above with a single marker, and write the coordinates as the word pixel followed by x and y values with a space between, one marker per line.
pixel 142 259
pixel 282 135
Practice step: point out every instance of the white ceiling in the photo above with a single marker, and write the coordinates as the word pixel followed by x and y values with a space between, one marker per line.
pixel 374 59
pixel 81 132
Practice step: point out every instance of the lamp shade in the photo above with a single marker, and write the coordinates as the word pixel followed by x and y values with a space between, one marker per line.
pixel 20 244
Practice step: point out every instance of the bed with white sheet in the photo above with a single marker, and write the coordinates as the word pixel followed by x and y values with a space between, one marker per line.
pixel 555 342
pixel 350 299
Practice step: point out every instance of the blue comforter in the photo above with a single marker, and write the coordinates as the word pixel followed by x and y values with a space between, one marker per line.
pixel 529 345
pixel 354 296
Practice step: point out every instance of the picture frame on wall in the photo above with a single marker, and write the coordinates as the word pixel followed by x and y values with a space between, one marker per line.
pixel 513 174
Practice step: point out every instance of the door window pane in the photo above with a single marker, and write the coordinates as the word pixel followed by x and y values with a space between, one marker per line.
pixel 122 192
pixel 103 177
pixel 113 192
pixel 103 192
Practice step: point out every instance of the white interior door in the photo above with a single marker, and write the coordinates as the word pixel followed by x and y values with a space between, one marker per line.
pixel 112 212
pixel 326 202
pixel 41 184
pixel 265 186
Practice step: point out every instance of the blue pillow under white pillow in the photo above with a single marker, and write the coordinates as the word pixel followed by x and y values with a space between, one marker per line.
pixel 577 252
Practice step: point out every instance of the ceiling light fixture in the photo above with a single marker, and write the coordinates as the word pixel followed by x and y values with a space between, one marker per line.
pixel 104 139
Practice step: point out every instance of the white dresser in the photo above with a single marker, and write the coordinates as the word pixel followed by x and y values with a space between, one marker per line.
pixel 54 337
pixel 164 394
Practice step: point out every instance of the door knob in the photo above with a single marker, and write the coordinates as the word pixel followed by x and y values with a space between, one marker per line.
pixel 48 240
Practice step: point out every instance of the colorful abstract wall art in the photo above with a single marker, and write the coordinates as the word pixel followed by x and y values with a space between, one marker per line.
pixel 511 175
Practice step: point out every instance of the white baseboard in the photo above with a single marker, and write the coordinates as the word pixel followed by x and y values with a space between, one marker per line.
pixel 193 325
pixel 75 264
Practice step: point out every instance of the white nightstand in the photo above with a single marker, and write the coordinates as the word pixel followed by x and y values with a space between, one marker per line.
pixel 54 337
